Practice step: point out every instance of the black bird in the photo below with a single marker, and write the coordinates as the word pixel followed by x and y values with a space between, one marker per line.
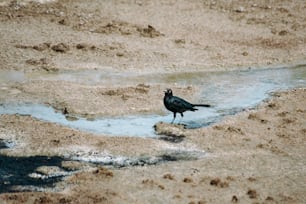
pixel 178 105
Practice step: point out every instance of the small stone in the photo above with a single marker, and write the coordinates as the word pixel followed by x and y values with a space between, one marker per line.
pixel 41 47
pixel 215 182
pixel 61 47
pixel 282 32
pixel 63 22
pixel 81 46
pixel 168 176
pixel 252 194
pixel 234 199
pixel 119 54
pixel 187 180
pixel 172 130
pixel 180 41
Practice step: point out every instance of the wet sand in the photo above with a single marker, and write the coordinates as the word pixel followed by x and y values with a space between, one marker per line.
pixel 255 156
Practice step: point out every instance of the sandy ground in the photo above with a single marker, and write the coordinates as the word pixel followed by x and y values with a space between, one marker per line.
pixel 254 157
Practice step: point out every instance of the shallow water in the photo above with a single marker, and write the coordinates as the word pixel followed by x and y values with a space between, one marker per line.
pixel 228 92
pixel 11 76
pixel 15 173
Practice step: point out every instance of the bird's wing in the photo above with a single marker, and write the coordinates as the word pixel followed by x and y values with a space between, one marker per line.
pixel 180 103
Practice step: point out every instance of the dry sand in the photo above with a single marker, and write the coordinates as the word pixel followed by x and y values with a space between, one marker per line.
pixel 254 157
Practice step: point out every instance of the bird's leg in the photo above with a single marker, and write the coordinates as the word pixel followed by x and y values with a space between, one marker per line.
pixel 174 115
pixel 182 115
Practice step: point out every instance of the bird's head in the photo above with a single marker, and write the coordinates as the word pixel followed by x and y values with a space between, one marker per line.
pixel 168 92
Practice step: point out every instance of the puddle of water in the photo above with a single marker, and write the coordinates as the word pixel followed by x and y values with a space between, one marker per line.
pixel 16 173
pixel 228 92
pixel 88 77
pixel 141 126
pixel 11 76
pixel 4 144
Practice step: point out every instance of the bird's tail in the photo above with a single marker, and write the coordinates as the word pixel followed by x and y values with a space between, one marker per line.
pixel 202 105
